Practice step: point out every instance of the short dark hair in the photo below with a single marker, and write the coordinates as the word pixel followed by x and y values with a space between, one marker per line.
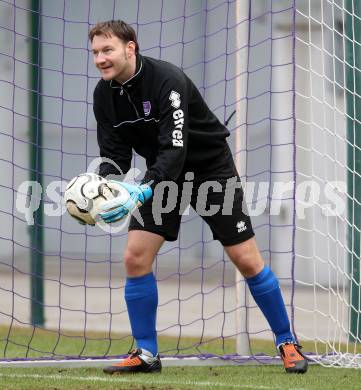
pixel 119 28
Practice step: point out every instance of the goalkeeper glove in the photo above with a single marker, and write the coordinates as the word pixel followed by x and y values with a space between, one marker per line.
pixel 115 209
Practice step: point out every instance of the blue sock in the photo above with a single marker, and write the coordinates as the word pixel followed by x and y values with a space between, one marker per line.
pixel 266 292
pixel 141 296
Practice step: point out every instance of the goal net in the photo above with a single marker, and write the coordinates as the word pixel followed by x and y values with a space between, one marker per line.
pixel 327 88
pixel 285 78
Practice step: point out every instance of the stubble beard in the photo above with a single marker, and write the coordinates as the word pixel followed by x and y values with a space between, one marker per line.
pixel 125 73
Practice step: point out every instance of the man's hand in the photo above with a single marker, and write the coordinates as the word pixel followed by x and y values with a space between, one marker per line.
pixel 115 209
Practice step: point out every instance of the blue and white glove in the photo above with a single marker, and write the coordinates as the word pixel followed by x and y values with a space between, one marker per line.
pixel 115 209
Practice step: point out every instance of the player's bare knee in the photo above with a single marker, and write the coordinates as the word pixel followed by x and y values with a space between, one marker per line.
pixel 246 264
pixel 249 268
pixel 135 262
pixel 246 258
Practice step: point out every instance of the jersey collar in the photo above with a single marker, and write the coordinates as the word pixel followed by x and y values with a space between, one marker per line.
pixel 138 72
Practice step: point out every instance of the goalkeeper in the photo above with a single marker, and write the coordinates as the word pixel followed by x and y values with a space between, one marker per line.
pixel 152 107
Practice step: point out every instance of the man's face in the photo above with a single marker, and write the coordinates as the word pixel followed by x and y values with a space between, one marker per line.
pixel 113 57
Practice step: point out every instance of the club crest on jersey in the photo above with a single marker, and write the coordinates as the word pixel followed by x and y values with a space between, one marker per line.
pixel 174 97
pixel 147 107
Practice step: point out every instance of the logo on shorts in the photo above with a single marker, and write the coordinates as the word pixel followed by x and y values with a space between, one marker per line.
pixel 147 107
pixel 241 226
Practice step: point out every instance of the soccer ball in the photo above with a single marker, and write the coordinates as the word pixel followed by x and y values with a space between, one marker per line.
pixel 84 196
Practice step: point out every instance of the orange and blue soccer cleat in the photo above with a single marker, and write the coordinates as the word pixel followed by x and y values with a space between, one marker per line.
pixel 293 360
pixel 139 360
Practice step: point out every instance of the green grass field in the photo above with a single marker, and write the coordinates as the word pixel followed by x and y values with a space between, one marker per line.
pixel 222 378
pixel 226 377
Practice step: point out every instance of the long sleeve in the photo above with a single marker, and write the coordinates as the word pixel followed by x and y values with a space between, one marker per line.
pixel 173 131
pixel 111 144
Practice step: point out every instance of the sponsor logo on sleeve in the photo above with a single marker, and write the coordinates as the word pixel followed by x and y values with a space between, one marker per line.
pixel 174 97
pixel 178 116
pixel 177 133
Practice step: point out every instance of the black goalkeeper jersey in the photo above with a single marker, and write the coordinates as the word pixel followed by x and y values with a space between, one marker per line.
pixel 162 116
